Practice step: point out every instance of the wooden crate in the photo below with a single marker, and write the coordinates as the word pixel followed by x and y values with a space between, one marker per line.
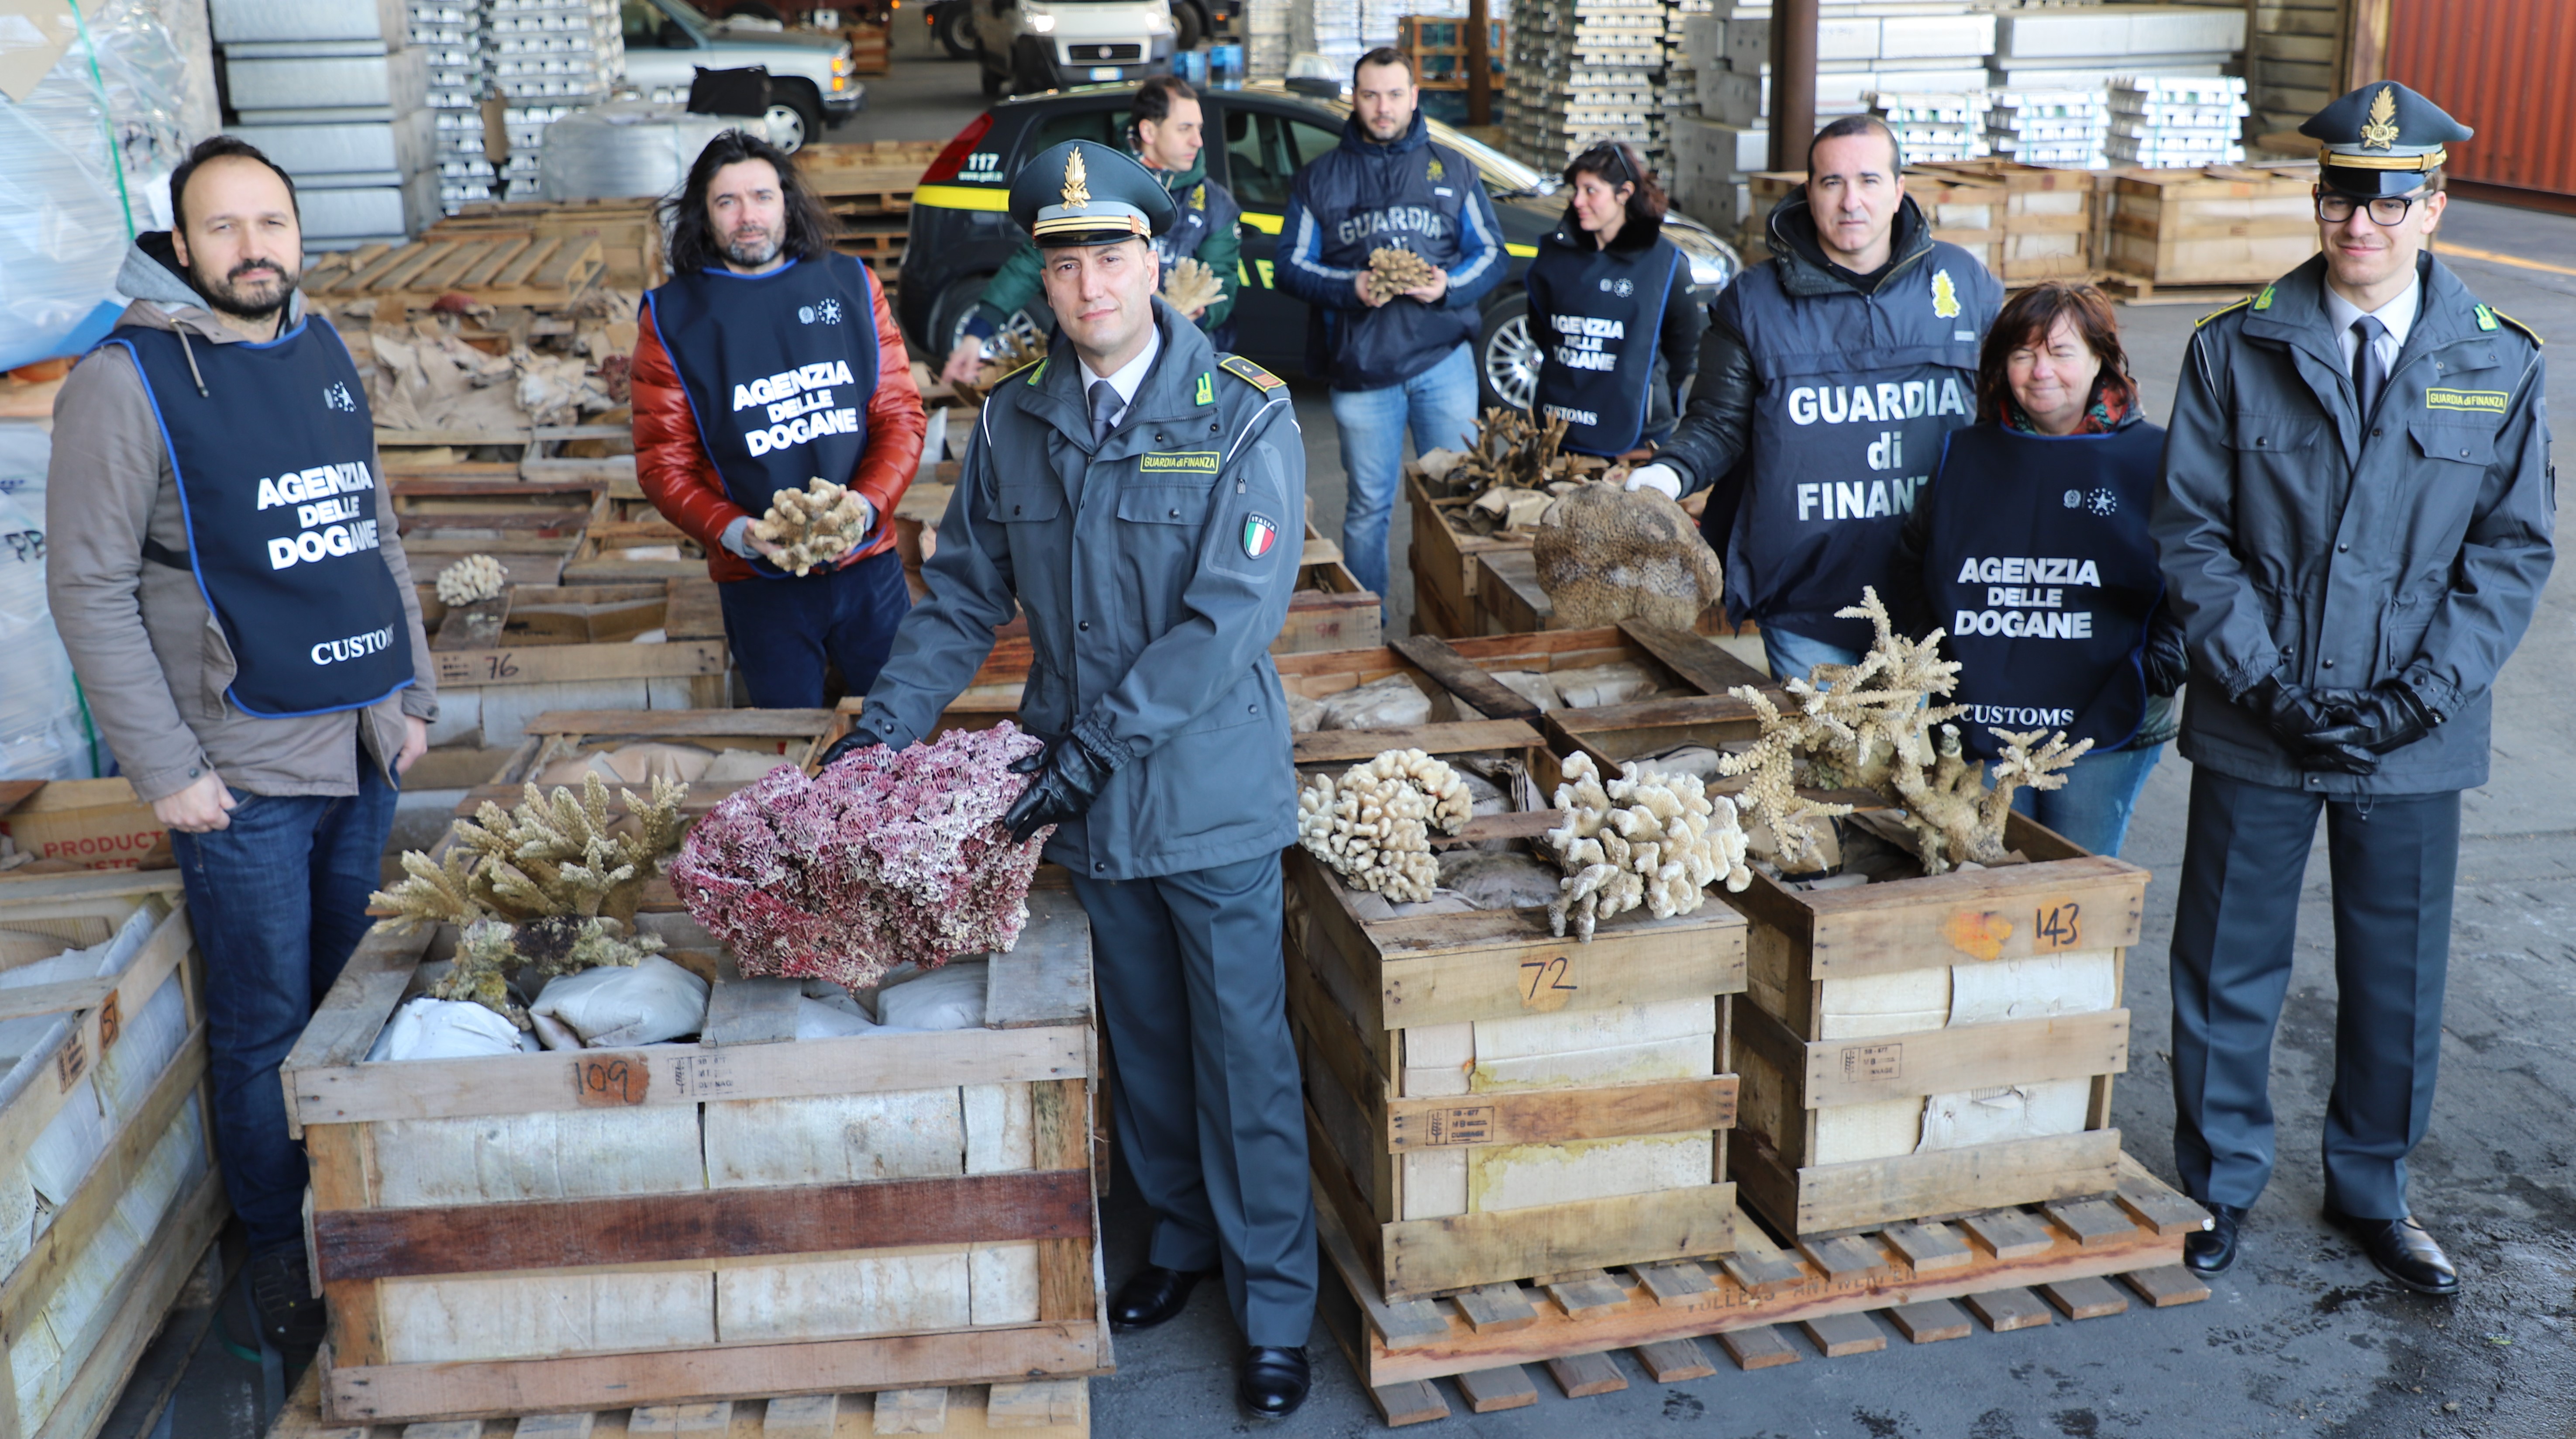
pixel 1444 562
pixel 751 1215
pixel 624 545
pixel 123 1059
pixel 80 824
pixel 2046 216
pixel 1438 47
pixel 1615 734
pixel 1044 1409
pixel 570 647
pixel 1456 1061
pixel 2223 225
pixel 455 509
pixel 1834 1047
pixel 1909 1274
pixel 1965 210
pixel 871 48
pixel 630 238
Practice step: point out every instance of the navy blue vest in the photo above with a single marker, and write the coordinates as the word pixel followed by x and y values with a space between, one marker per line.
pixel 778 369
pixel 1855 394
pixel 278 488
pixel 1597 317
pixel 2039 564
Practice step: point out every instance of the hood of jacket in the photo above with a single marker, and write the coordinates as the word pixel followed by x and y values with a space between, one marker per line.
pixel 1804 268
pixel 1635 237
pixel 1415 136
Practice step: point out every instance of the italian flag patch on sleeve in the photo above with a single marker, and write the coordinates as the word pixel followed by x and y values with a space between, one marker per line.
pixel 1259 534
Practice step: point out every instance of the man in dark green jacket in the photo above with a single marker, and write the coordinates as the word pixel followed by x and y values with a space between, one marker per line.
pixel 2355 525
pixel 1163 130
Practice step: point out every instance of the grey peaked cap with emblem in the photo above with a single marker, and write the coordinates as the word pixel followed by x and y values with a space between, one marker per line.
pixel 2381 139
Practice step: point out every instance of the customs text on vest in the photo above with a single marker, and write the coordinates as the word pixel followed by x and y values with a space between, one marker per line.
pixel 778 368
pixel 2040 567
pixel 276 482
pixel 1855 396
pixel 1598 316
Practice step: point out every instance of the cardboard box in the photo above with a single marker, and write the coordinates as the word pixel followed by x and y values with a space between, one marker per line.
pixel 93 823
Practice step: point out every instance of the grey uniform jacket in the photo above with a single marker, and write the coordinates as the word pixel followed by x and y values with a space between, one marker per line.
pixel 1150 620
pixel 2294 536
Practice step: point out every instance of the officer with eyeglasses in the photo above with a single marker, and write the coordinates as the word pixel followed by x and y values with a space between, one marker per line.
pixel 2355 523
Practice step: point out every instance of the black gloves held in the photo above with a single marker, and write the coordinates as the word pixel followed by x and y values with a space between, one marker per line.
pixel 2366 724
pixel 851 743
pixel 2289 711
pixel 2166 661
pixel 1070 772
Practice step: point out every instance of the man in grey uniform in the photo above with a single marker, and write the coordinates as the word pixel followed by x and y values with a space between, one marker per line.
pixel 1133 493
pixel 2355 524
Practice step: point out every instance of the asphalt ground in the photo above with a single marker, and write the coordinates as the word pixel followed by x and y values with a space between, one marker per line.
pixel 2302 1338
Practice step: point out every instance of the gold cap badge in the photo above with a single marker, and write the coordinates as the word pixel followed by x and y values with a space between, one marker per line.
pixel 1077 186
pixel 2381 132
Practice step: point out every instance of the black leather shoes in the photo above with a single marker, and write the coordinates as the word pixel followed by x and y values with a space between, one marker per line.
pixel 1274 1381
pixel 2213 1249
pixel 1153 1296
pixel 2403 1252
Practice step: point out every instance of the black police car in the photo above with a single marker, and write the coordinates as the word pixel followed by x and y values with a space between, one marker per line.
pixel 1257 137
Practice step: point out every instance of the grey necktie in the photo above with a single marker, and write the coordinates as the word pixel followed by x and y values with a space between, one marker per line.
pixel 2369 376
pixel 1104 409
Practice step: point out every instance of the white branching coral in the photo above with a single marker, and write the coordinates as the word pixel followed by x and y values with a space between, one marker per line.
pixel 1392 270
pixel 472 580
pixel 1646 838
pixel 1373 825
pixel 1190 285
pixel 815 525
pixel 1873 725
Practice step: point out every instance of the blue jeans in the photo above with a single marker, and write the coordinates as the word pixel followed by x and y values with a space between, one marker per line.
pixel 783 630
pixel 1440 405
pixel 1792 656
pixel 2092 808
pixel 278 901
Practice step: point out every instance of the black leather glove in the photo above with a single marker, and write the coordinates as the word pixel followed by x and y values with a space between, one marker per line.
pixel 2167 662
pixel 1070 772
pixel 851 743
pixel 2290 712
pixel 2366 724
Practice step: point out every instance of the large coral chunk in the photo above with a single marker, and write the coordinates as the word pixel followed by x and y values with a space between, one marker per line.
pixel 1191 285
pixel 815 525
pixel 1605 554
pixel 1392 270
pixel 888 856
pixel 1647 838
pixel 1373 825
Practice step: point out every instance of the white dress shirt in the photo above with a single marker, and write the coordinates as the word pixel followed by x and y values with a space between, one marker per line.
pixel 2398 315
pixel 1131 375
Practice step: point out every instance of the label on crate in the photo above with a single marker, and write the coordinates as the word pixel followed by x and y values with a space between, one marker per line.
pixel 110 1024
pixel 2056 924
pixel 612 1081
pixel 699 1076
pixel 72 1062
pixel 1546 984
pixel 1469 1124
pixel 1871 1063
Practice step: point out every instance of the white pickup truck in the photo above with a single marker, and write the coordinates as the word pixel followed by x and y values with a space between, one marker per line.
pixel 810 75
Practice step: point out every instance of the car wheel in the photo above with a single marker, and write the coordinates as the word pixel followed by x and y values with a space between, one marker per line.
pixel 794 121
pixel 1185 19
pixel 956 32
pixel 957 305
pixel 1507 355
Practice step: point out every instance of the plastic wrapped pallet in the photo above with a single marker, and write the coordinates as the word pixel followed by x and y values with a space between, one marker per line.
pixel 41 735
pixel 625 148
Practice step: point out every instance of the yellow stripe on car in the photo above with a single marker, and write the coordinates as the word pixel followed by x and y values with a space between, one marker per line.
pixel 963 197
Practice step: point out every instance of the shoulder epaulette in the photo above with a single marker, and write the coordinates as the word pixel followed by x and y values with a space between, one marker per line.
pixel 1250 373
pixel 1039 362
pixel 2488 315
pixel 2229 310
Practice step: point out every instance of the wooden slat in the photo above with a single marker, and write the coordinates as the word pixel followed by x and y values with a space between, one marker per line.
pixel 1968 916
pixel 1060 1121
pixel 1462 679
pixel 1699 663
pixel 1412 1402
pixel 2009 1309
pixel 1041 1405
pixel 790 724
pixel 1491 1391
pixel 1931 1321
pixel 1584 1290
pixel 736 1223
pixel 1965 1057
pixel 1847 1257
pixel 1877 1192
pixel 2091 1221
pixel 2090 1297
pixel 1760 1347
pixel 1929 1247
pixel 2009 1233
pixel 572 1426
pixel 911 1411
pixel 2167 1285
pixel 1424 1255
pixel 1838 1335
pixel 1583 1375
pixel 1674 1285
pixel 2157 1207
pixel 1349 746
pixel 1497 1307
pixel 1675 1361
pixel 714 1418
pixel 1562 1116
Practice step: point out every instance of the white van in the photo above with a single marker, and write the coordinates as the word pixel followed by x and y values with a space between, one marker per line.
pixel 1035 45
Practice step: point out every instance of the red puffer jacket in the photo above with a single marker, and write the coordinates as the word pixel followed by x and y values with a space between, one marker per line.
pixel 671 461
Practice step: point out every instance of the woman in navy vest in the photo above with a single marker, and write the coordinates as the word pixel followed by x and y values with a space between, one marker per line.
pixel 2030 549
pixel 1610 308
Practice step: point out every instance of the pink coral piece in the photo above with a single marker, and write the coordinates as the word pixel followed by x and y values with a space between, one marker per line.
pixel 884 858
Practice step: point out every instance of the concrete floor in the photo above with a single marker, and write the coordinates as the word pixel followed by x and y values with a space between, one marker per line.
pixel 2303 1337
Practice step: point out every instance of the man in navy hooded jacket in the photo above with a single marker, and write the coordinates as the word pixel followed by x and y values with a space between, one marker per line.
pixel 1407 359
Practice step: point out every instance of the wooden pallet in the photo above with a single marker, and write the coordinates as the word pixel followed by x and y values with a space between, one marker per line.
pixel 2017 1268
pixel 2134 290
pixel 1048 1409
pixel 497 269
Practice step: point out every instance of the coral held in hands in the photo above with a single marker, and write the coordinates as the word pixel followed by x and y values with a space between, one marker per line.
pixel 1646 838
pixel 1010 352
pixel 1607 554
pixel 1373 825
pixel 1190 286
pixel 1872 726
pixel 1393 270
pixel 472 580
pixel 815 525
pixel 886 856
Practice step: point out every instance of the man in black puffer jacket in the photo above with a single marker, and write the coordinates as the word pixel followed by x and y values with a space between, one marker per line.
pixel 1829 378
pixel 1405 359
